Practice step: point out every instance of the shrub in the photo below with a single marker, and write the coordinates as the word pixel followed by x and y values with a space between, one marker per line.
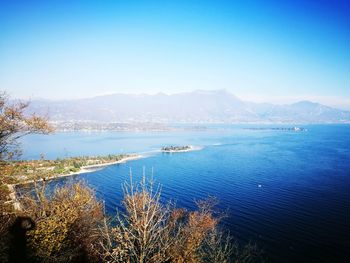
pixel 149 231
pixel 70 227
pixel 66 224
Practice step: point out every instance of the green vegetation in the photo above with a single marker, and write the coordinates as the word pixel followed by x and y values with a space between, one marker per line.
pixel 176 148
pixel 22 171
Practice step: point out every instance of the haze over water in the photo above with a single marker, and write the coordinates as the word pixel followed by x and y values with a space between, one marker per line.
pixel 286 191
pixel 110 65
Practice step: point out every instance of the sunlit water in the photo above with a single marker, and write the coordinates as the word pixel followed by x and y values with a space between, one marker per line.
pixel 287 191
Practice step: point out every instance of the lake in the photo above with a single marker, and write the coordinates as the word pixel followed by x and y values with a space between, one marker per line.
pixel 287 191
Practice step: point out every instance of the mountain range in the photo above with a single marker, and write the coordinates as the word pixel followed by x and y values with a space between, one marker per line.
pixel 218 106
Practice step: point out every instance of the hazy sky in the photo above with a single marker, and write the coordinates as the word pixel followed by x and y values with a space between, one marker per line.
pixel 276 51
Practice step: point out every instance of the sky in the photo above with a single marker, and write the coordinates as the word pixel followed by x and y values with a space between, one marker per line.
pixel 263 51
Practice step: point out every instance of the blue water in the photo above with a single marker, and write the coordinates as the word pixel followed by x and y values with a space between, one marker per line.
pixel 300 212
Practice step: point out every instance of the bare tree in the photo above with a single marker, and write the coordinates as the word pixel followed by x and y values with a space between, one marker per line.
pixel 142 232
pixel 217 247
pixel 71 226
pixel 14 124
pixel 149 231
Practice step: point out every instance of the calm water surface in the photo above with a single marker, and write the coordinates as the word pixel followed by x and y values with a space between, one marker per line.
pixel 287 191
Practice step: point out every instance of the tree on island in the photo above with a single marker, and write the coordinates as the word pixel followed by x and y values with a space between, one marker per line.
pixel 175 148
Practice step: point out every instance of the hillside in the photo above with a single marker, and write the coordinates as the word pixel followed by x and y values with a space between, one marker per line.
pixel 218 106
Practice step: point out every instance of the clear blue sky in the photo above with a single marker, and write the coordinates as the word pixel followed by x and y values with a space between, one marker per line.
pixel 258 50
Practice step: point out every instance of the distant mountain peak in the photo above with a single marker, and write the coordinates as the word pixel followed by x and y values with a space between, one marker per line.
pixel 199 106
pixel 305 103
pixel 218 91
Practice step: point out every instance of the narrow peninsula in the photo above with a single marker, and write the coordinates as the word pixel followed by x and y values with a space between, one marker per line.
pixel 16 173
pixel 23 172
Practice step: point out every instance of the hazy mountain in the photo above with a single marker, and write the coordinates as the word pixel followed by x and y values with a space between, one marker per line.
pixel 303 111
pixel 197 106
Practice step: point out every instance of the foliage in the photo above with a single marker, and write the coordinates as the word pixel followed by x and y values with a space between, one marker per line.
pixel 151 232
pixel 14 124
pixel 22 171
pixel 5 223
pixel 70 226
pixel 66 224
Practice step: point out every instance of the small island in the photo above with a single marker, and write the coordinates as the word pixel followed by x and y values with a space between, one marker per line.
pixel 170 149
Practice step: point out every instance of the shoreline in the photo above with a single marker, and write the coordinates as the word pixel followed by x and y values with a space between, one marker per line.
pixel 84 169
pixel 191 149
pixel 95 167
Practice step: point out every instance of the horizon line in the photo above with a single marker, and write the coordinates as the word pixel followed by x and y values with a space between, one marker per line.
pixel 338 102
